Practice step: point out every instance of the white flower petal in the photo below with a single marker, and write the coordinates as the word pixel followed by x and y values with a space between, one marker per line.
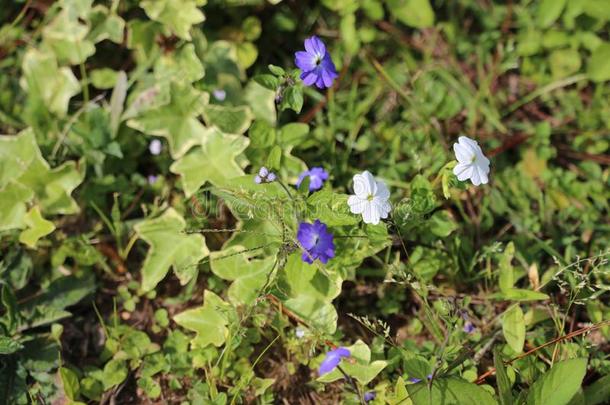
pixel 382 190
pixel 462 154
pixel 356 205
pixel 475 177
pixel 370 214
pixel 371 183
pixel 483 174
pixel 463 171
pixel 361 186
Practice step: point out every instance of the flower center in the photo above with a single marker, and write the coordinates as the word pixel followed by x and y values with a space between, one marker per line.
pixel 473 158
pixel 318 60
pixel 370 197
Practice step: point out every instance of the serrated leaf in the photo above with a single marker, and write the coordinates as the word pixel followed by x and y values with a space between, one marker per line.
pixel 213 161
pixel 232 120
pixel 558 385
pixel 177 121
pixel 248 275
pixel 169 247
pixel 360 367
pixel 208 321
pixel 449 391
pixel 9 346
pixel 177 15
pixel 37 228
pixel 513 328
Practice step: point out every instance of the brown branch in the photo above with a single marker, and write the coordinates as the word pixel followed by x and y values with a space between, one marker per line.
pixel 558 339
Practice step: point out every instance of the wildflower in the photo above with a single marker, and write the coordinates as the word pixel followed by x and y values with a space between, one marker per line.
pixel 370 199
pixel 317 242
pixel 220 94
pixel 332 360
pixel 369 396
pixel 316 64
pixel 155 147
pixel 472 164
pixel 264 176
pixel 152 179
pixel 416 380
pixel 469 327
pixel 317 176
pixel 299 333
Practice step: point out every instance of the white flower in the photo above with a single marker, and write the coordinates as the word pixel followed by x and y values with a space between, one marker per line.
pixel 155 147
pixel 472 164
pixel 370 199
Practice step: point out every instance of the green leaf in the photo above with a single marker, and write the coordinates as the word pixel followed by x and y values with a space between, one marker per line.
pixel 13 200
pixel 558 385
pixel 248 275
pixel 518 294
pixel 48 84
pixel 170 246
pixel 177 121
pixel 564 62
pixel 507 278
pixel 598 67
pixel 504 384
pixel 361 368
pixel 177 15
pixel 115 372
pixel 37 228
pixel 449 391
pixel 151 388
pixel 208 321
pixel 441 224
pixel 598 392
pixel 183 65
pixel 548 12
pixel 213 161
pixel 274 159
pixel 414 13
pixel 292 98
pixel 9 346
pixel 66 36
pixel 267 81
pixel 69 381
pixel 513 328
pixel 261 102
pixel 232 120
pixel 104 78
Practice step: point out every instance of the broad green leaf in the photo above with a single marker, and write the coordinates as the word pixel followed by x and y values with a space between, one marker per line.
pixel 115 372
pixel 308 292
pixel 8 345
pixel 13 200
pixel 104 78
pixel 69 381
pixel 358 365
pixel 170 246
pixel 558 385
pixel 248 275
pixel 549 11
pixel 176 121
pixel 449 391
pixel 212 161
pixel 231 120
pixel 16 155
pixel 177 15
pixel 184 64
pixel 331 208
pixel 513 328
pixel 261 102
pixel 66 36
pixel 505 268
pixel 48 84
pixel 518 294
pixel 37 228
pixel 414 13
pixel 504 384
pixel 400 396
pixel 598 67
pixel 208 321
pixel 105 25
pixel 599 391
pixel 564 62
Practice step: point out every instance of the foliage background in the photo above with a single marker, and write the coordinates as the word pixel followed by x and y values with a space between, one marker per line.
pixel 115 287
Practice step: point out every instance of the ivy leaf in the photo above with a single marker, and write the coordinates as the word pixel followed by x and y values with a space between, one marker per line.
pixel 558 385
pixel 232 120
pixel 37 228
pixel 177 15
pixel 361 368
pixel 66 36
pixel 208 321
pixel 13 200
pixel 177 121
pixel 248 275
pixel 169 247
pixel 445 391
pixel 48 84
pixel 513 328
pixel 16 155
pixel 213 161
pixel 307 292
pixel 184 64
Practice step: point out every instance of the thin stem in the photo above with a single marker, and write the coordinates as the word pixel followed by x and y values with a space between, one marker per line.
pixel 353 384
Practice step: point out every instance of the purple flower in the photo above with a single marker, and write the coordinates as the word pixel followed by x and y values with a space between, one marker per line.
pixel 315 63
pixel 152 179
pixel 264 176
pixel 332 360
pixel 317 242
pixel 369 396
pixel 416 380
pixel 219 94
pixel 469 327
pixel 317 176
